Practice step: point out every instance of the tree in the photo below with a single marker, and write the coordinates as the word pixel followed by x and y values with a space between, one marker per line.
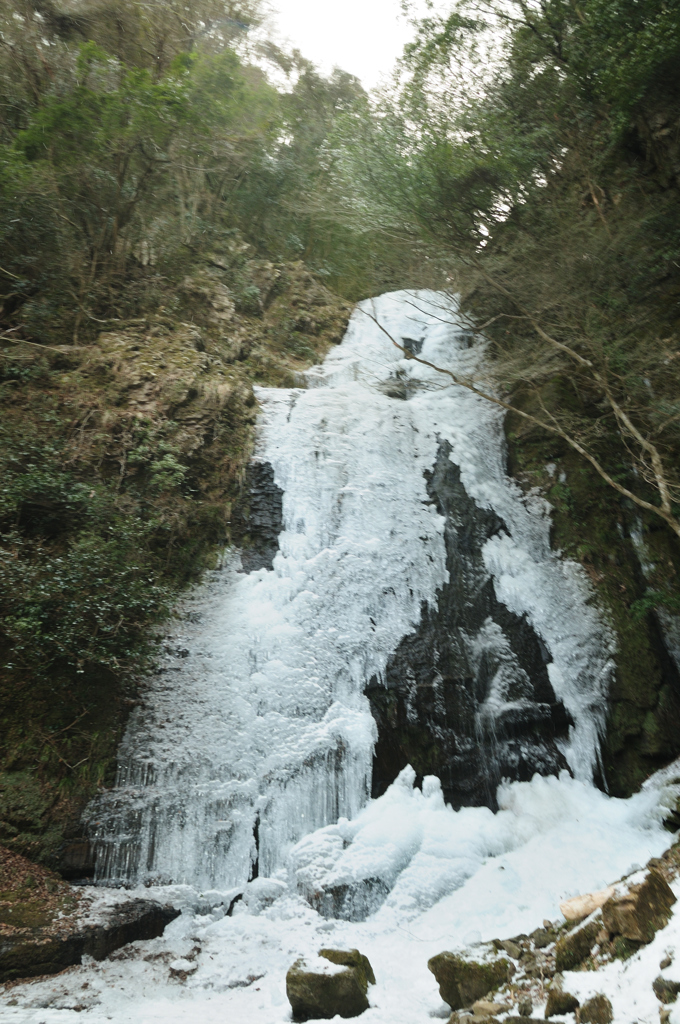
pixel 533 143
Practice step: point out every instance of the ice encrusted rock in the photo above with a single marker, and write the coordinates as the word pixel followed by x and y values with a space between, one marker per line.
pixel 259 732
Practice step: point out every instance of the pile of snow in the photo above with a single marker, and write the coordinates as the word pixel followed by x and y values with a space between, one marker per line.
pixel 425 851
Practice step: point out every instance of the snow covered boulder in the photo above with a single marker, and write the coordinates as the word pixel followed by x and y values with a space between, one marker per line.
pixel 334 983
pixel 639 907
pixel 461 982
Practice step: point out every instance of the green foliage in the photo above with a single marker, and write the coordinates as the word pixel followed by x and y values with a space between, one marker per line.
pixel 537 146
pixel 78 575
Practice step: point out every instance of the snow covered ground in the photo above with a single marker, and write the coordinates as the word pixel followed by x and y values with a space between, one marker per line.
pixel 552 838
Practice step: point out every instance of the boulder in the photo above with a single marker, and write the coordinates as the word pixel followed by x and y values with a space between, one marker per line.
pixel 523 1020
pixel 461 982
pixel 24 956
pixel 573 948
pixel 640 909
pixel 597 1010
pixel 351 958
pixel 559 1002
pixel 525 1006
pixel 666 991
pixel 512 948
pixel 333 984
pixel 579 907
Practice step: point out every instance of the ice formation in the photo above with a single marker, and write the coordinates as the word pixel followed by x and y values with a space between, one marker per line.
pixel 257 731
pixel 492 876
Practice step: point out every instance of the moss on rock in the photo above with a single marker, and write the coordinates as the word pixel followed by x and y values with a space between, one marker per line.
pixel 461 982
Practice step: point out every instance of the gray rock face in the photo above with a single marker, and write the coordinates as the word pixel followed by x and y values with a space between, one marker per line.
pixel 352 902
pixel 466 696
pixel 257 521
pixel 30 957
pixel 317 994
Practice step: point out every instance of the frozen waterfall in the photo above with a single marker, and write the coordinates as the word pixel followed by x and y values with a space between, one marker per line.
pixel 256 730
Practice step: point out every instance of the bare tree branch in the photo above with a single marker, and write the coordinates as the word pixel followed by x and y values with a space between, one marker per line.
pixel 664 512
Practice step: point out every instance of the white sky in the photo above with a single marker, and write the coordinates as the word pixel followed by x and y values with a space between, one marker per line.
pixel 364 37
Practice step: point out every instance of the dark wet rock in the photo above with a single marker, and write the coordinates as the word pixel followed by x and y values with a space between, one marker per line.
pixel 466 696
pixel 257 520
pixel 461 982
pixel 76 860
pixel 573 948
pixel 314 994
pixel 666 991
pixel 352 901
pixel 639 912
pixel 27 956
pixel 597 1010
pixel 559 1002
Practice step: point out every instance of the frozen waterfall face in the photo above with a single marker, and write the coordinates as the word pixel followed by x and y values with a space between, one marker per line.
pixel 410 610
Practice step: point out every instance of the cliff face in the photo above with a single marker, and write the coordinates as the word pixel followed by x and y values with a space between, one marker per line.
pixel 437 707
pixel 123 465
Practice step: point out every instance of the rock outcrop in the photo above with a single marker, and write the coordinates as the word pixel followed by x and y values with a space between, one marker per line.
pixel 439 707
pixel 639 909
pixel 40 952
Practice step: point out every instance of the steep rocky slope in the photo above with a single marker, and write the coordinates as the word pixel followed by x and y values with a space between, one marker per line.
pixel 123 464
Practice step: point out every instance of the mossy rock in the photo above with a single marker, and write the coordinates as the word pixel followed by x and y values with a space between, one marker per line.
pixel 351 958
pixel 315 993
pixel 665 990
pixel 560 1002
pixel 639 913
pixel 461 982
pixel 597 1010
pixel 573 948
